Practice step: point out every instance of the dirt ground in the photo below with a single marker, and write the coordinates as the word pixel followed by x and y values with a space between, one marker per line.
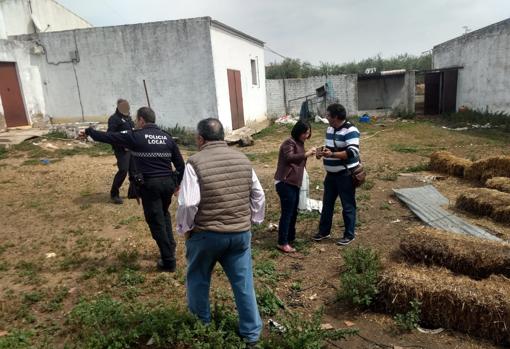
pixel 62 240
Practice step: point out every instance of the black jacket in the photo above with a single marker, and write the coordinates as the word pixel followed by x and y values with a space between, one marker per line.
pixel 117 123
pixel 153 150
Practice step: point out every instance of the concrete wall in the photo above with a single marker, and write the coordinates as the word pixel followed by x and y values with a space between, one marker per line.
pixel 28 75
pixel 19 17
pixel 231 51
pixel 394 92
pixel 173 57
pixel 344 89
pixel 484 82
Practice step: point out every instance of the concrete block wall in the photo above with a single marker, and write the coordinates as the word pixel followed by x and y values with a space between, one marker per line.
pixel 344 90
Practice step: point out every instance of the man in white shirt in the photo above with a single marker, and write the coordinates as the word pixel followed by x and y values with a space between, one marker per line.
pixel 220 197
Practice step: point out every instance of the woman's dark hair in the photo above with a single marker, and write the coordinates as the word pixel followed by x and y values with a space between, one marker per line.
pixel 299 128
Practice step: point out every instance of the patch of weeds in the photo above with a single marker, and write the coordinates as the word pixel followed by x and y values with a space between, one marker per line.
pixel 129 259
pixel 256 228
pixel 32 297
pixel 369 184
pixel 107 323
pixel 251 156
pixel 130 277
pixel 56 134
pixel 303 245
pixel 4 152
pixel 304 333
pixel 273 254
pixel 390 176
pixel 31 162
pixel 4 266
pixel 86 192
pixel 182 136
pixel 305 215
pixel 17 339
pixel 403 148
pixel 29 272
pixel 363 197
pixel 416 168
pixel 265 270
pixel 268 302
pixel 359 281
pixel 73 261
pixel 24 313
pixel 85 206
pixel 130 219
pixel 410 320
pixel 270 130
pixel 55 303
pixel 90 273
pixel 385 206
pixel 131 293
pixel 296 286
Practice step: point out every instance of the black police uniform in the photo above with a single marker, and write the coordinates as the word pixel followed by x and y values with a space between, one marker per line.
pixel 153 152
pixel 118 123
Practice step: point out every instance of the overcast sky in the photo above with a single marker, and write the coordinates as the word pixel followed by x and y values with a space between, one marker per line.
pixel 334 31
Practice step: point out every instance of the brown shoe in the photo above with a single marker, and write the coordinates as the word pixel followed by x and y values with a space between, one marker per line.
pixel 286 248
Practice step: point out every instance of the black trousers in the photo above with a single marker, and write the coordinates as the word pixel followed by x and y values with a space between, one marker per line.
pixel 123 160
pixel 156 194
pixel 289 200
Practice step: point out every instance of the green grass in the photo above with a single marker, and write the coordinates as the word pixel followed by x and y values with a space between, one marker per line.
pixel 56 135
pixel 183 136
pixel 268 302
pixel 16 339
pixel 404 148
pixel 34 153
pixel 390 176
pixel 416 168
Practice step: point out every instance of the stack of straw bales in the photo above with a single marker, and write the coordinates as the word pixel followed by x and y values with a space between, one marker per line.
pixel 485 202
pixel 461 282
pixel 499 183
pixel 479 308
pixel 481 170
pixel 446 162
pixel 475 257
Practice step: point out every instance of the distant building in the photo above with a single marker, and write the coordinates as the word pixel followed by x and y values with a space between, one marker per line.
pixel 193 69
pixel 472 70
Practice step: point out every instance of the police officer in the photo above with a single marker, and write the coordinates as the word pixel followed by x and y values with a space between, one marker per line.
pixel 120 121
pixel 153 151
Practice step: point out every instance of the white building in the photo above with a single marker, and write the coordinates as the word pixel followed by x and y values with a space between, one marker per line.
pixel 192 68
pixel 19 17
pixel 472 70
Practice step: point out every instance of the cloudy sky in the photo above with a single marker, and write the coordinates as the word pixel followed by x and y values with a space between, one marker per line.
pixel 334 31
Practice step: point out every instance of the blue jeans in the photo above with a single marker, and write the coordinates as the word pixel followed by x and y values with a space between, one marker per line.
pixel 233 252
pixel 339 185
pixel 289 200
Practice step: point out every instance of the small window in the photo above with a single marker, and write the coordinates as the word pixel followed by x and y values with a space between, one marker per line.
pixel 254 75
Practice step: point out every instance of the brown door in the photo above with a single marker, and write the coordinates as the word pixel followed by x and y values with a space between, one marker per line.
pixel 449 97
pixel 10 92
pixel 432 93
pixel 236 98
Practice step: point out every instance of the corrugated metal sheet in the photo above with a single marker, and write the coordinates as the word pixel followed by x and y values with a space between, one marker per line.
pixel 426 203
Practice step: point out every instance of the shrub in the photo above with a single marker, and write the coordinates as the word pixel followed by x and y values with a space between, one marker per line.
pixel 410 320
pixel 359 281
pixel 268 302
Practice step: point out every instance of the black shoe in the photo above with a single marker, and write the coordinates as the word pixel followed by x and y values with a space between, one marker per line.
pixel 168 268
pixel 319 237
pixel 345 241
pixel 251 345
pixel 117 200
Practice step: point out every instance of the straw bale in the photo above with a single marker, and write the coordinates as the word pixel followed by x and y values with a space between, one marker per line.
pixel 475 257
pixel 485 202
pixel 499 183
pixel 496 166
pixel 446 162
pixel 478 308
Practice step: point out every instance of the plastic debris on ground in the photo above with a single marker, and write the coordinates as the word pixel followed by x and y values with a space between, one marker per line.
pixel 305 203
pixel 320 119
pixel 287 119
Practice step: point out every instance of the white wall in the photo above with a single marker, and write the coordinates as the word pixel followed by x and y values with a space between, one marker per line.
pixel 174 58
pixel 233 52
pixel 16 17
pixel 28 74
pixel 484 82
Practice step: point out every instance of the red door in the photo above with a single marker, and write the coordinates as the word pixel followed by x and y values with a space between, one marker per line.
pixel 236 98
pixel 10 92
